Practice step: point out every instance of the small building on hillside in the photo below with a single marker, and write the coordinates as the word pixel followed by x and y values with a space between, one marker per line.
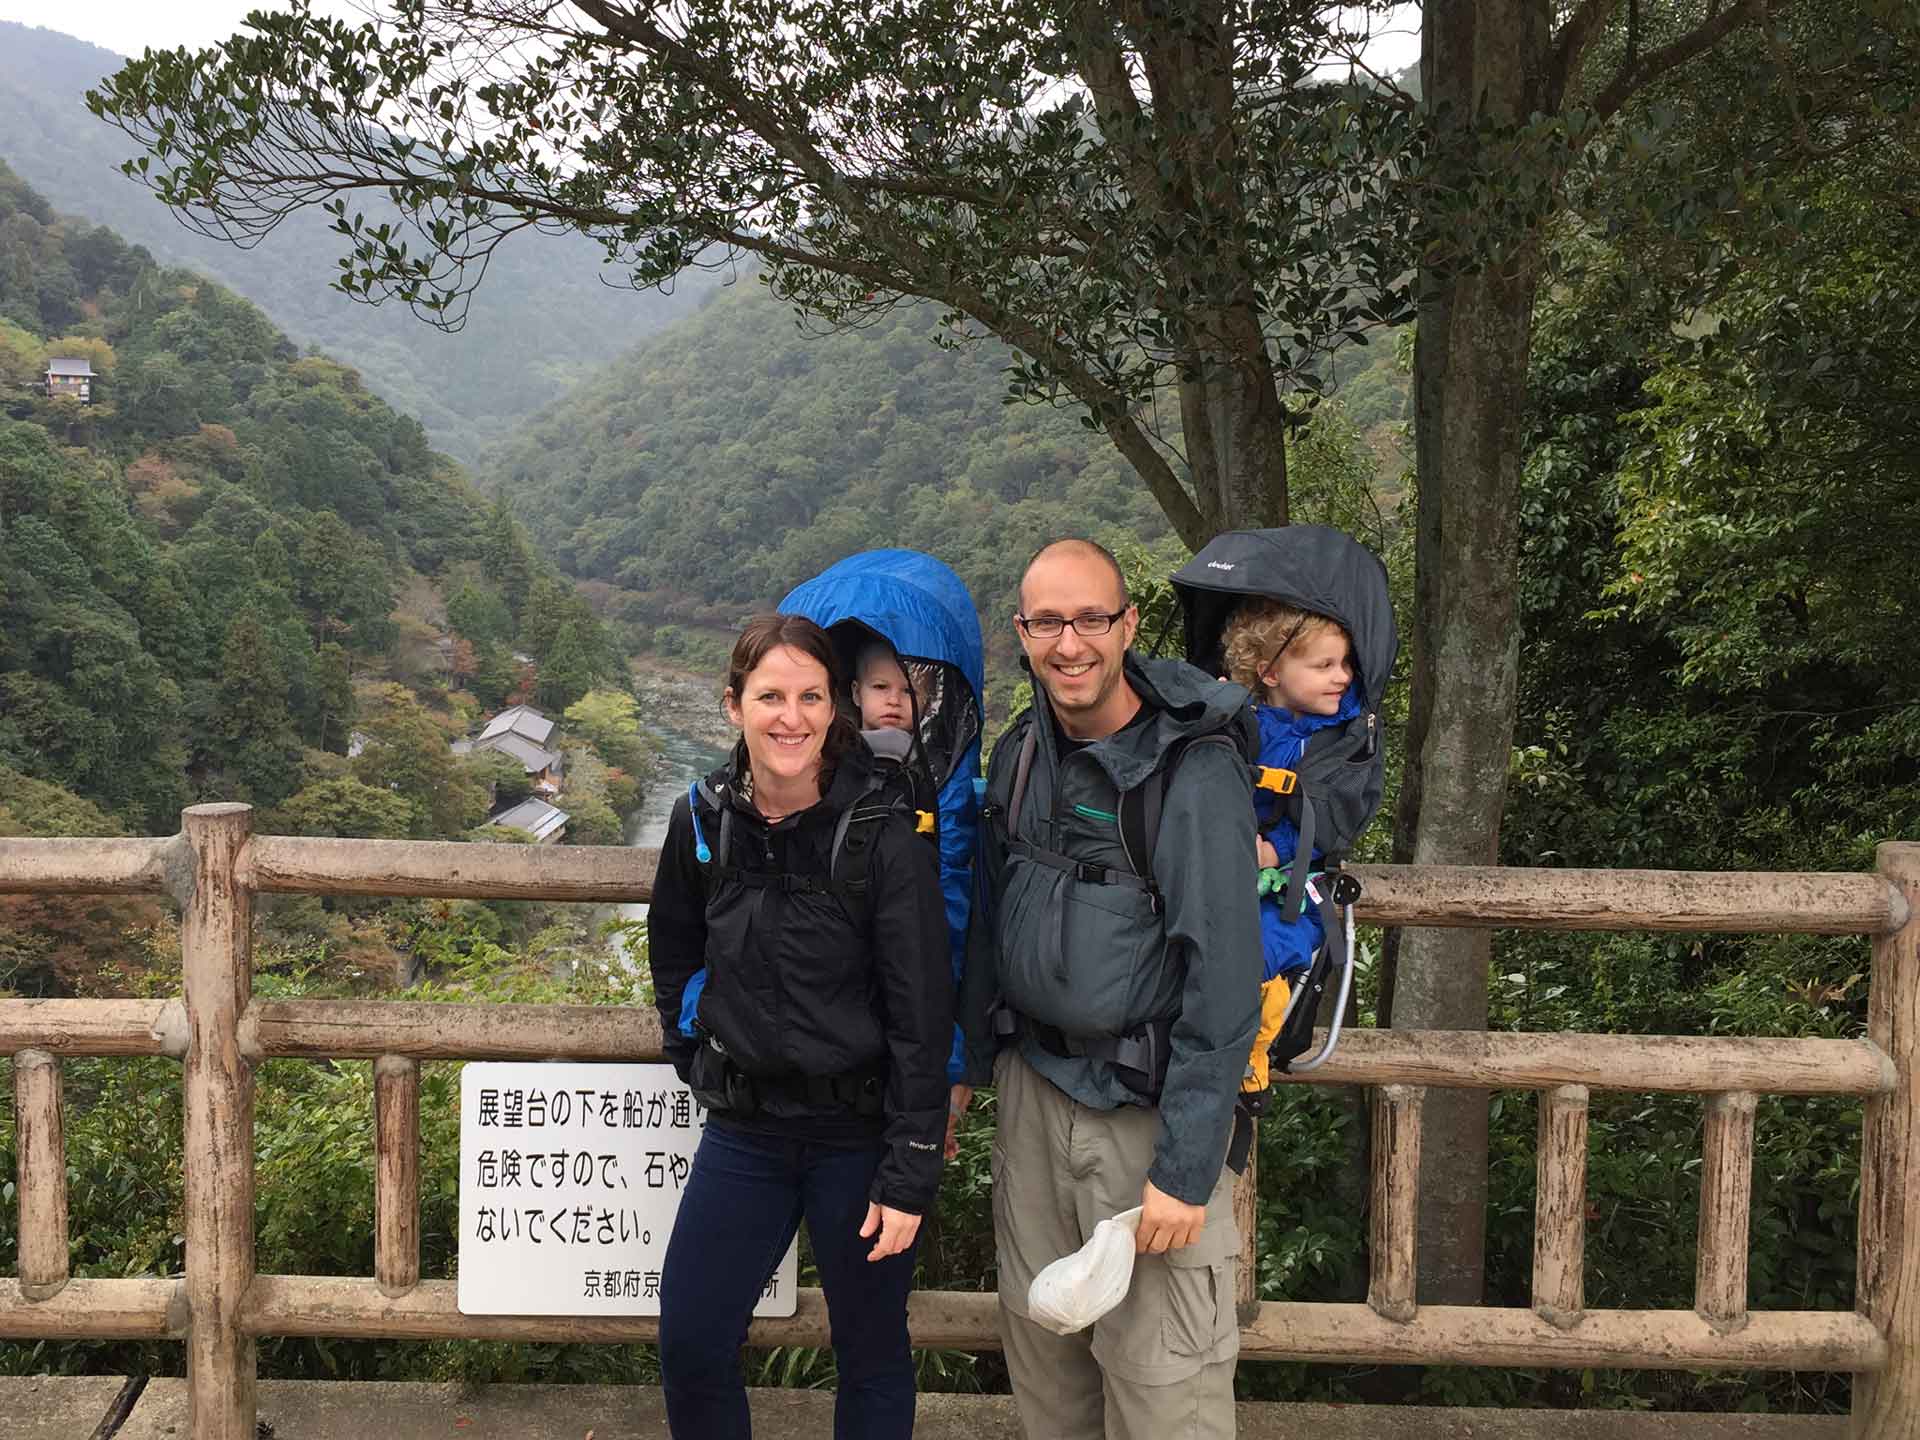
pixel 522 720
pixel 546 823
pixel 67 375
pixel 520 731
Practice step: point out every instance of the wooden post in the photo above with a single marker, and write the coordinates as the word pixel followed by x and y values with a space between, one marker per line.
pixel 1394 1226
pixel 1560 1207
pixel 42 1174
pixel 1726 1206
pixel 1886 1406
pixel 396 1185
pixel 1246 1218
pixel 216 944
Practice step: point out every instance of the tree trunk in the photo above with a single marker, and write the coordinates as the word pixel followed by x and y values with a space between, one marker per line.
pixel 1470 374
pixel 1234 432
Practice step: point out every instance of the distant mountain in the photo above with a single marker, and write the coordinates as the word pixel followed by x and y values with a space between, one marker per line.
pixel 206 538
pixel 733 455
pixel 542 320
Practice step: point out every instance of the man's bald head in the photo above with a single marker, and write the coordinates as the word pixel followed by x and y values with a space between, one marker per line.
pixel 1084 551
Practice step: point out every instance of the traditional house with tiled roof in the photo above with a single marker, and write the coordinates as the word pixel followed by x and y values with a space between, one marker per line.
pixel 544 822
pixel 67 375
pixel 521 732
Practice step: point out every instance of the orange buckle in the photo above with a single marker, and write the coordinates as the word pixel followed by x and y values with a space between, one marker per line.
pixel 1274 778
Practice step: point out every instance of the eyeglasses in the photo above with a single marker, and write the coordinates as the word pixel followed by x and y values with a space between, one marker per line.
pixel 1046 627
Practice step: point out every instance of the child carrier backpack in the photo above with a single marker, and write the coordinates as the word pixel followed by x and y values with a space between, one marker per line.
pixel 904 777
pixel 918 606
pixel 1334 790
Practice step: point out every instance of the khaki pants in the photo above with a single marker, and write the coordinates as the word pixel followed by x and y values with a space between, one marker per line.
pixel 1159 1366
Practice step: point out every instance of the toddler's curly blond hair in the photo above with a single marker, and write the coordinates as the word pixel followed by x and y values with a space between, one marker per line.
pixel 1256 632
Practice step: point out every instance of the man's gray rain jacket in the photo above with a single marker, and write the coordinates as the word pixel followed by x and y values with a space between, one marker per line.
pixel 1196 964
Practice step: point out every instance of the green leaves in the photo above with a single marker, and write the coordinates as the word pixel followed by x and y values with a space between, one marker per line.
pixel 975 152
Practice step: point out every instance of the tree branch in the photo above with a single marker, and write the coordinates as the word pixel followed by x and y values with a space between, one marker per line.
pixel 1656 63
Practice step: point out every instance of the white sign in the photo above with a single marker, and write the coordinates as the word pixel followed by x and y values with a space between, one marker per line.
pixel 570 1176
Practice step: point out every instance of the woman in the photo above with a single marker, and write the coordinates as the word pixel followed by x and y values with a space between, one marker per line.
pixel 798 944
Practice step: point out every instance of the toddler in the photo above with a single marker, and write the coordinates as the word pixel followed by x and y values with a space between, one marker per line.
pixel 1299 667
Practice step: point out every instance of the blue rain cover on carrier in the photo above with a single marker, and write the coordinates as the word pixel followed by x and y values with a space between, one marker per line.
pixel 919 607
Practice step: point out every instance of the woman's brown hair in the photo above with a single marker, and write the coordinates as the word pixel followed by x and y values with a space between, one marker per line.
pixel 764 634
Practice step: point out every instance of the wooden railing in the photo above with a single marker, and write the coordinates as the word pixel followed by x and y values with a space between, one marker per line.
pixel 215 867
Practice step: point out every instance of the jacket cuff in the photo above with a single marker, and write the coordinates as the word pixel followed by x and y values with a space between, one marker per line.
pixel 1181 1186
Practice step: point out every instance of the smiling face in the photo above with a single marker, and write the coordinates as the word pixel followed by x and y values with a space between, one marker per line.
pixel 784 707
pixel 880 692
pixel 1312 674
pixel 1081 674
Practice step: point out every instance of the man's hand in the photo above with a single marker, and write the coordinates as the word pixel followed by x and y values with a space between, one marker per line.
pixel 1166 1223
pixel 896 1228
pixel 1269 857
pixel 957 1102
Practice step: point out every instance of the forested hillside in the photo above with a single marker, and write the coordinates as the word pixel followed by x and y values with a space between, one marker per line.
pixel 735 455
pixel 543 321
pixel 205 571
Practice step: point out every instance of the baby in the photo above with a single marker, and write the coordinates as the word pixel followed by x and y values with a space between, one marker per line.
pixel 881 692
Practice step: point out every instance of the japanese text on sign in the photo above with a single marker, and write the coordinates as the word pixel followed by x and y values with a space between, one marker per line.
pixel 570 1177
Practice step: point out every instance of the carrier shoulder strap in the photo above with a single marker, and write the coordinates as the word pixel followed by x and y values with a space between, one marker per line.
pixel 1142 807
pixel 1022 769
pixel 849 861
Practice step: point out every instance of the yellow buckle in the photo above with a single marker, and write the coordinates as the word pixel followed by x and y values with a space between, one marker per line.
pixel 1276 779
pixel 926 822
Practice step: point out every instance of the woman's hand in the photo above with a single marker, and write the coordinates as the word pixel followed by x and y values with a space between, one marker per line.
pixel 1269 857
pixel 958 1099
pixel 896 1229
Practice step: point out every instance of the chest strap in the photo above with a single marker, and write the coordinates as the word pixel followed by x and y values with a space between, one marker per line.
pixel 1083 870
pixel 782 880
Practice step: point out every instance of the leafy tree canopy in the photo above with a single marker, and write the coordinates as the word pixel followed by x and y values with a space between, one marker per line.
pixel 1139 199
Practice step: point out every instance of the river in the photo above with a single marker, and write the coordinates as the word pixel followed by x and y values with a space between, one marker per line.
pixel 683 759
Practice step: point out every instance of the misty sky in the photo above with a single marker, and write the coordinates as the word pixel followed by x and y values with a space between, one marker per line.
pixel 130 26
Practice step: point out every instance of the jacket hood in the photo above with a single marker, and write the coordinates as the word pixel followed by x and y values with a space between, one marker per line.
pixel 1311 567
pixel 1185 701
pixel 913 601
pixel 916 604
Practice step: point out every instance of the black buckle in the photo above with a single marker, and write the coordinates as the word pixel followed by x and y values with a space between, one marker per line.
pixel 742 1099
pixel 1089 874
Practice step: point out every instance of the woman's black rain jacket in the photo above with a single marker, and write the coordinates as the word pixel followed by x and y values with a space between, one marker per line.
pixel 809 980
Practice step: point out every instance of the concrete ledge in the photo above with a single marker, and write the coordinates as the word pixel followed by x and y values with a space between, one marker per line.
pixel 55 1407
pixel 63 1408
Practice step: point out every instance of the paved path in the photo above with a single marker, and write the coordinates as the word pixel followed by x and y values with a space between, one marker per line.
pixel 64 1408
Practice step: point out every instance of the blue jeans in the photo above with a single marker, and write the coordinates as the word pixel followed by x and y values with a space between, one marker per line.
pixel 743 1203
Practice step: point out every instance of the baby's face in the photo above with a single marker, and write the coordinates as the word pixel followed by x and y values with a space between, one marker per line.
pixel 882 696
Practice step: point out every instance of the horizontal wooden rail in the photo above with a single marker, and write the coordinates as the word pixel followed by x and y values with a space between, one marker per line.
pixel 1445 895
pixel 96 1310
pixel 94 867
pixel 1610 1339
pixel 292 865
pixel 1673 1064
pixel 1746 901
pixel 420 1030
pixel 1348 1334
pixel 94 1027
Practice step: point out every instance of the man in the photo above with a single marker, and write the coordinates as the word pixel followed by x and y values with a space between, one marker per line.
pixel 1121 996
